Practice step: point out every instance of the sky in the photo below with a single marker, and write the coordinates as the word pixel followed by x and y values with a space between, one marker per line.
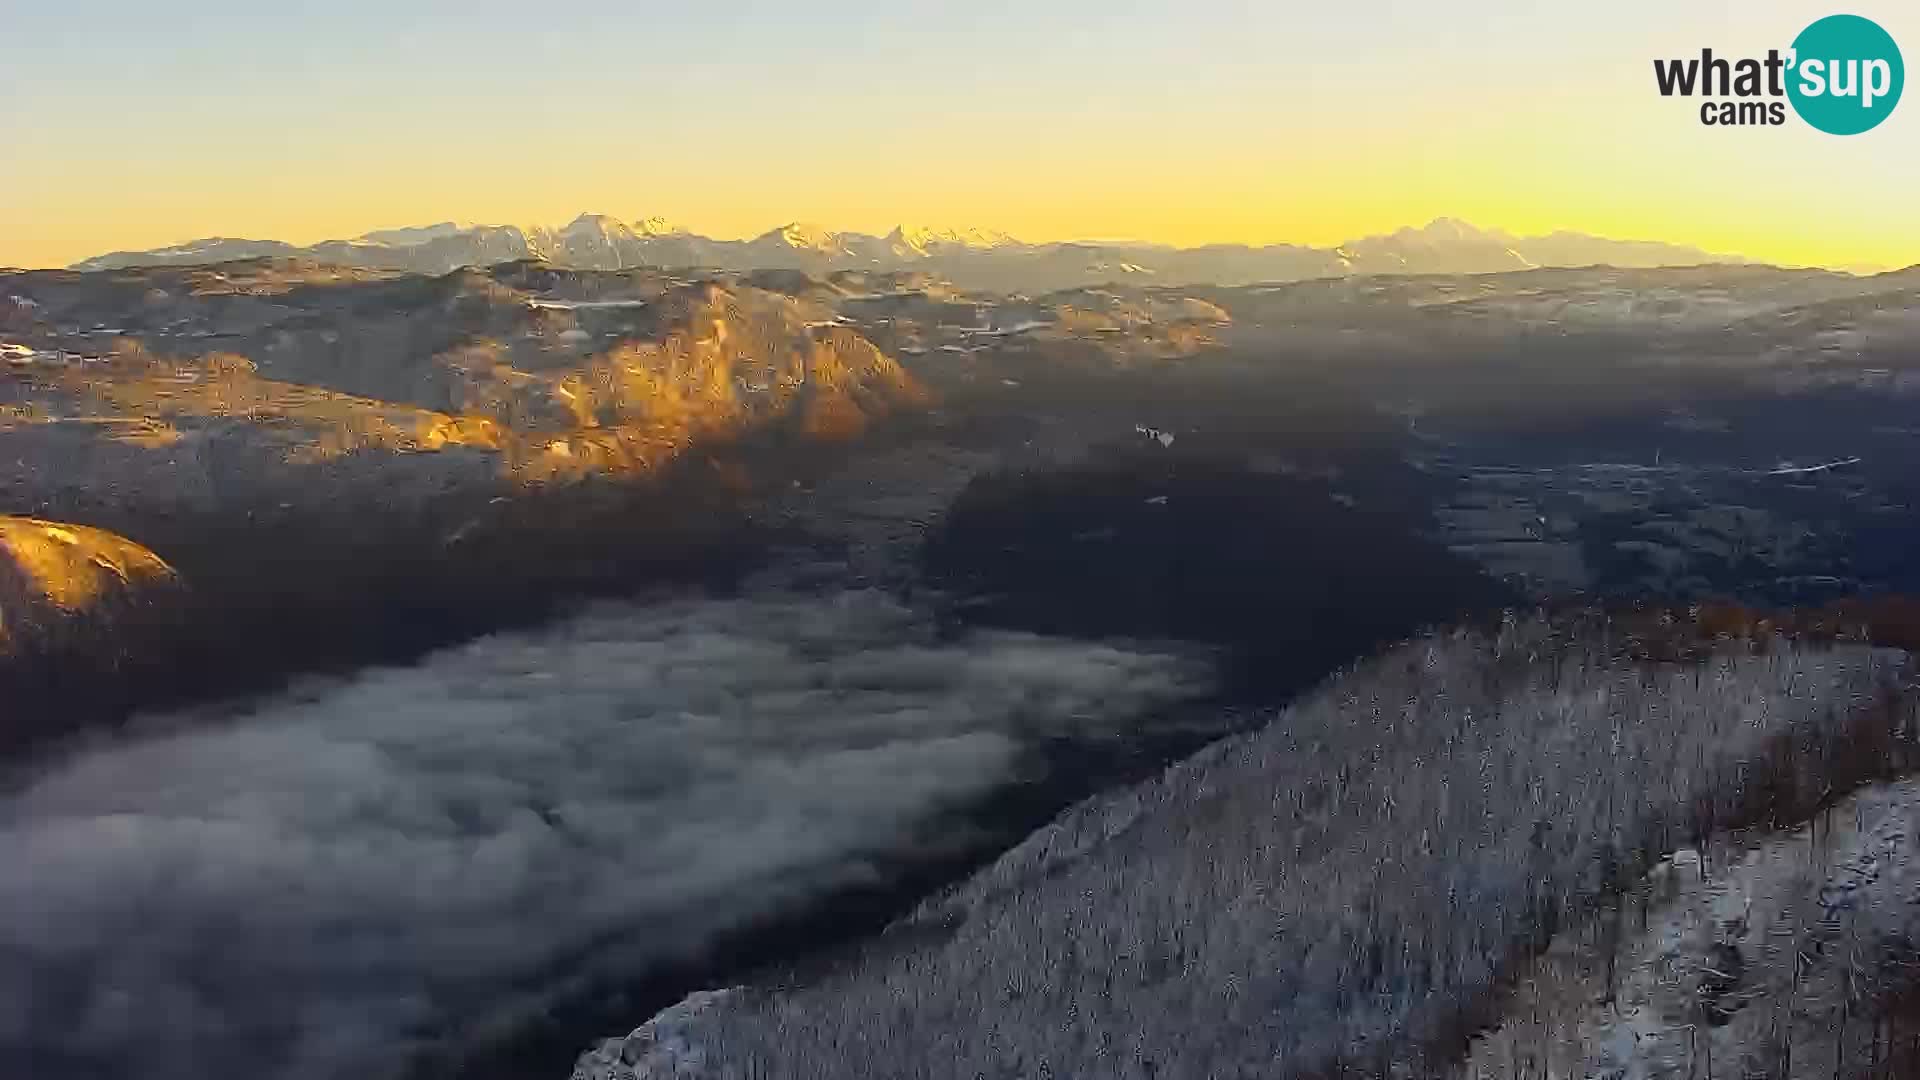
pixel 127 124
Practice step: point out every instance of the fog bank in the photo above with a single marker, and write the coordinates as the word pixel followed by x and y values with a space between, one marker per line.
pixel 312 887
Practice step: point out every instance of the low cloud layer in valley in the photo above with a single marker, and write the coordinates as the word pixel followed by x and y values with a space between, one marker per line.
pixel 305 889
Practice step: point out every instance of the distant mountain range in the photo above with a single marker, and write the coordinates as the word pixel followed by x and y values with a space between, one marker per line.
pixel 968 257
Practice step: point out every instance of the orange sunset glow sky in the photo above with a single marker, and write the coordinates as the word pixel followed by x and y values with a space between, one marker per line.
pixel 128 125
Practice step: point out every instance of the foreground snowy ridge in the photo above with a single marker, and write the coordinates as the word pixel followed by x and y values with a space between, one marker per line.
pixel 666 1045
pixel 1771 959
pixel 1345 888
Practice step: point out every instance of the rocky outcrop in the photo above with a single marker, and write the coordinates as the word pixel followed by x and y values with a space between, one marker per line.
pixel 365 386
pixel 712 361
pixel 71 586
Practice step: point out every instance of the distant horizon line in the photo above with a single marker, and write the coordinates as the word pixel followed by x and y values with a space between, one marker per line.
pixel 674 227
pixel 661 227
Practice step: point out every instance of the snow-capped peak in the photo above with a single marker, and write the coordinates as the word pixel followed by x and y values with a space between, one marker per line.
pixel 804 237
pixel 407 236
pixel 925 239
pixel 1451 228
pixel 594 225
pixel 657 226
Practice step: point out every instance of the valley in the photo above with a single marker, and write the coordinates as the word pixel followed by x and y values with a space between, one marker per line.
pixel 1045 542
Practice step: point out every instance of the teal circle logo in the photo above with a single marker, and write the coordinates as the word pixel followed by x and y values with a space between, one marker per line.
pixel 1846 75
